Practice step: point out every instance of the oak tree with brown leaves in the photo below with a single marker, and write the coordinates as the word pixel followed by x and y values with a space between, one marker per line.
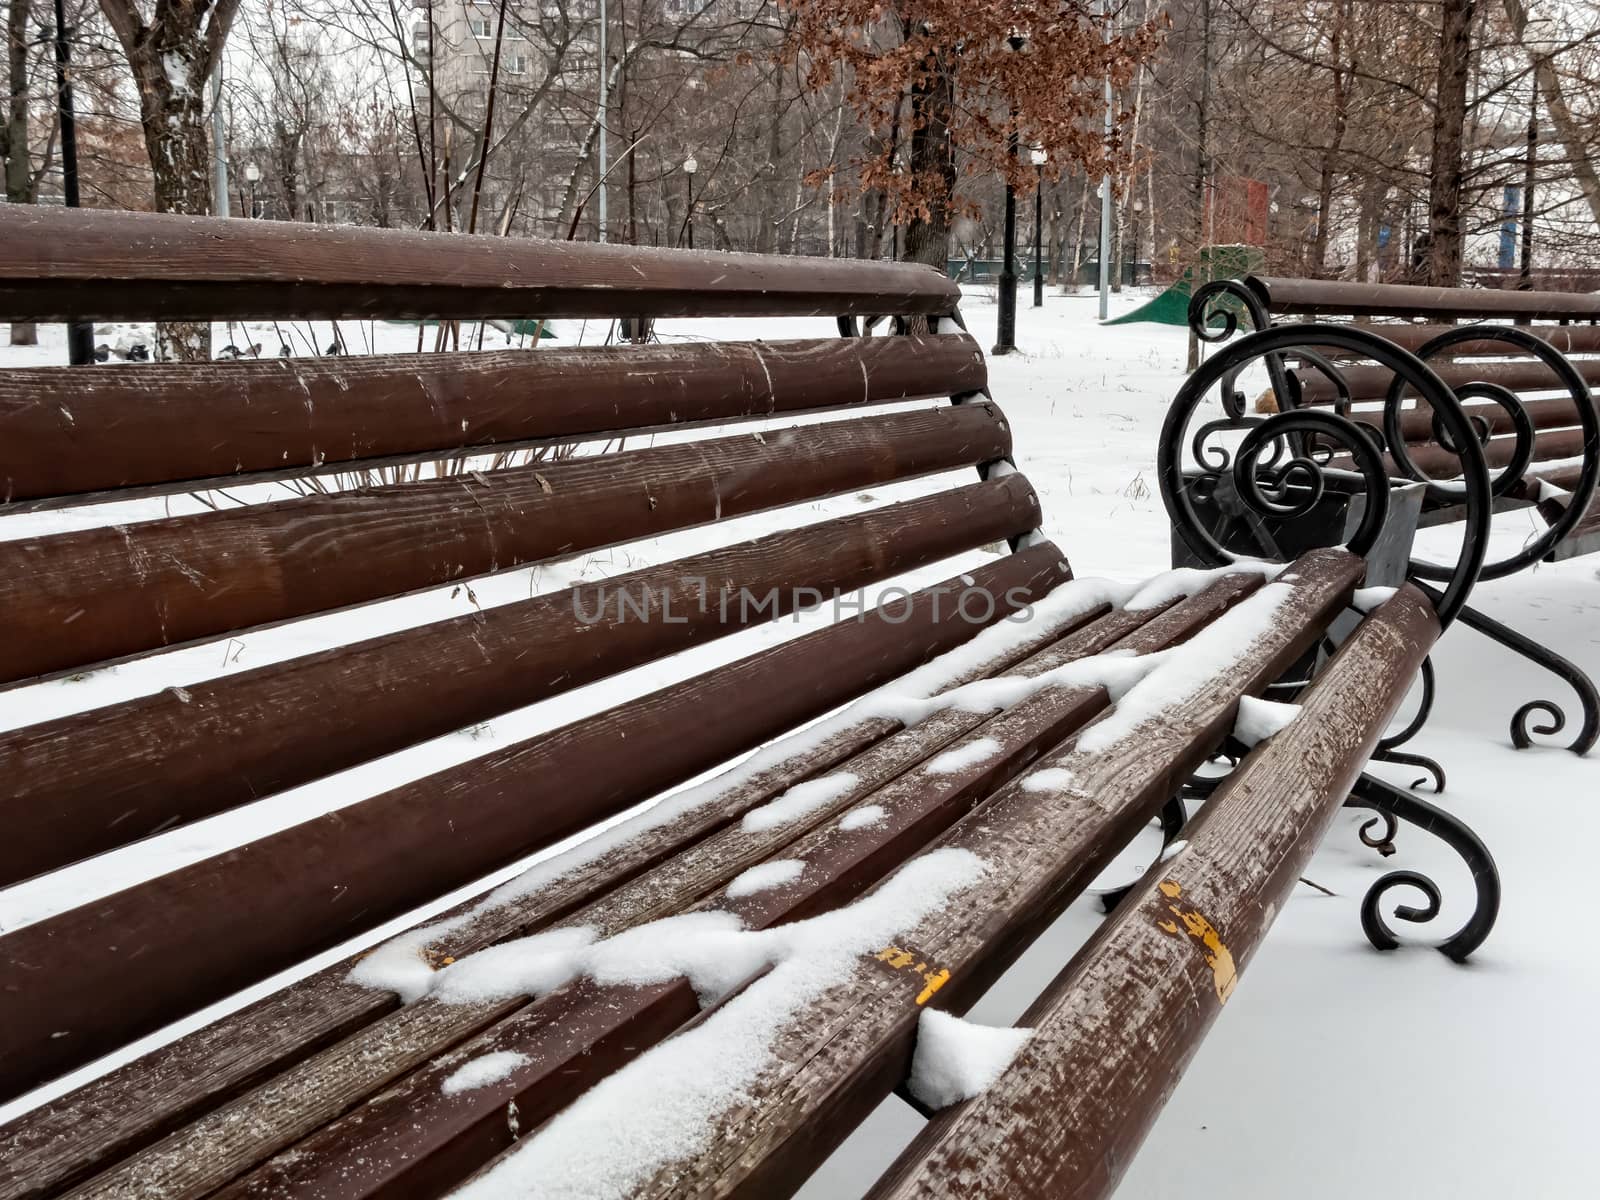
pixel 949 88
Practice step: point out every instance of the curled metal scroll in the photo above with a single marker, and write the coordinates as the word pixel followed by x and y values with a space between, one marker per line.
pixel 1387 749
pixel 1205 307
pixel 1393 805
pixel 1564 668
pixel 1282 464
pixel 1512 475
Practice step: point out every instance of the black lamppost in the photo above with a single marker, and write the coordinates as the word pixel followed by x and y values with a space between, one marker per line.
pixel 252 173
pixel 80 334
pixel 1007 341
pixel 689 168
pixel 1037 155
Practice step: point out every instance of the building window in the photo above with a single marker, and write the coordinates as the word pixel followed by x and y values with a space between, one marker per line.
pixel 481 26
pixel 517 64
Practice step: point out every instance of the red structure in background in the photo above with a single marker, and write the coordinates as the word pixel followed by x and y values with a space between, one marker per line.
pixel 1237 211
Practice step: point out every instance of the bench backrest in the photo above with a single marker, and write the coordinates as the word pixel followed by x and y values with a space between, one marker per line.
pixel 381 504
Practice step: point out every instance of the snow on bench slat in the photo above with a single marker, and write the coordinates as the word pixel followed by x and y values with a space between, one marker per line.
pixel 968 754
pixel 1260 719
pixel 765 876
pixel 864 817
pixel 798 801
pixel 399 965
pixel 662 1106
pixel 482 1071
pixel 955 1059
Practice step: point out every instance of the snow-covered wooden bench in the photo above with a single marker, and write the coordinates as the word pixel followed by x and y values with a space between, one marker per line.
pixel 1525 386
pixel 826 836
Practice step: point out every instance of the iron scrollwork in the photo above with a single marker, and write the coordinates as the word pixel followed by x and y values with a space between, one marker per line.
pixel 1392 806
pixel 1564 668
pixel 1281 465
pixel 1284 463
pixel 1511 480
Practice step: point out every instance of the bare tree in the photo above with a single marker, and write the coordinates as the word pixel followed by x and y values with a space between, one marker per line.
pixel 171 57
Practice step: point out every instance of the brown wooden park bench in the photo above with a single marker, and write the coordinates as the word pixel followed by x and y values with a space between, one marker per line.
pixel 902 798
pixel 1522 364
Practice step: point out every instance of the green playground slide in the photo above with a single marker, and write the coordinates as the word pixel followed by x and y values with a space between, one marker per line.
pixel 1171 307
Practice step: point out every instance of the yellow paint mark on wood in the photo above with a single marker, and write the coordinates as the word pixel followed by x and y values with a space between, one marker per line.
pixel 1170 889
pixel 932 983
pixel 933 978
pixel 1219 958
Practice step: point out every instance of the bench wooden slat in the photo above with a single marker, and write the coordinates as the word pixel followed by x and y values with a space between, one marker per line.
pixel 61 264
pixel 1373 382
pixel 1438 463
pixel 389 1146
pixel 1114 1033
pixel 1569 339
pixel 120 1112
pixel 832 1064
pixel 1416 424
pixel 65 431
pixel 337 875
pixel 99 594
pixel 107 777
pixel 1326 297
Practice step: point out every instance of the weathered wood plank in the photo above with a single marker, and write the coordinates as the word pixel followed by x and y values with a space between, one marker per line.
pixel 115 1115
pixel 1569 339
pixel 131 769
pixel 332 877
pixel 65 432
pixel 98 594
pixel 61 264
pixel 411 1139
pixel 1416 423
pixel 1041 846
pixel 1113 1034
pixel 1327 297
pixel 1373 382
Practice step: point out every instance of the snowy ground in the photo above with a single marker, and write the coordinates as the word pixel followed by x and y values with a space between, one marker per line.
pixel 1334 1072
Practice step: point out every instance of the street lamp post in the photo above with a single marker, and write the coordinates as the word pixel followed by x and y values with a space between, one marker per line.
pixel 689 168
pixel 1007 339
pixel 1038 157
pixel 252 174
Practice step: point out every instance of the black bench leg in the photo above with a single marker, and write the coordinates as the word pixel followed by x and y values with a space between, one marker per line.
pixel 1392 805
pixel 1588 695
pixel 1387 749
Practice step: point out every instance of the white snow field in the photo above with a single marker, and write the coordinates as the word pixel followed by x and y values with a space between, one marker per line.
pixel 1334 1072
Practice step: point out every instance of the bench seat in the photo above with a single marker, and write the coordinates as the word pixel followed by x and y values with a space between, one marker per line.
pixel 670 927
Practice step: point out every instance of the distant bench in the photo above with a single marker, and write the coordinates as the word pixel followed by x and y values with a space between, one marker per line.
pixel 957 775
pixel 1524 383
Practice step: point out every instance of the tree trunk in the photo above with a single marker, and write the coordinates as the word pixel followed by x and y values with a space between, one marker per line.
pixel 933 165
pixel 171 61
pixel 288 153
pixel 14 138
pixel 1367 228
pixel 1554 100
pixel 1330 154
pixel 1449 124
